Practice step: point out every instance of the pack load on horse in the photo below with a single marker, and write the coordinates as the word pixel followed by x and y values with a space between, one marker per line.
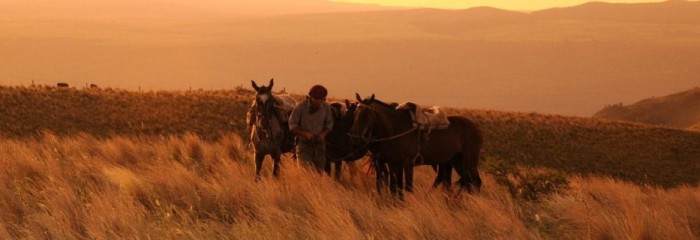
pixel 267 121
pixel 426 118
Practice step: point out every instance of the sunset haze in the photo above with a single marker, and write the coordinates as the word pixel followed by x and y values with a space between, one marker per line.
pixel 571 61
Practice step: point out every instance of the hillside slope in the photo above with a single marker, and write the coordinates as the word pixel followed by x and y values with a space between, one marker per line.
pixel 27 111
pixel 681 110
pixel 639 153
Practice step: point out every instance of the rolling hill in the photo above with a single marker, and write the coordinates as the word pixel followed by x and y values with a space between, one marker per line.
pixel 680 110
pixel 669 12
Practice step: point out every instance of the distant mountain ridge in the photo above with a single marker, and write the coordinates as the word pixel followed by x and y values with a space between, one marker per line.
pixel 677 12
pixel 681 110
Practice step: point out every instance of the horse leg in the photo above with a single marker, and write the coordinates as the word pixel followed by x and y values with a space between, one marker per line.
pixel 438 177
pixel 276 167
pixel 396 179
pixel 444 176
pixel 474 171
pixel 338 170
pixel 259 157
pixel 468 172
pixel 380 173
pixel 408 175
pixel 327 168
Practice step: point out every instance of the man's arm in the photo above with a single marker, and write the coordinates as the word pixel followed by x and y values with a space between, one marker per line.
pixel 294 122
pixel 303 133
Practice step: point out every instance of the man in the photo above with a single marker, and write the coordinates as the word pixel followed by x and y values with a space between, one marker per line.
pixel 311 121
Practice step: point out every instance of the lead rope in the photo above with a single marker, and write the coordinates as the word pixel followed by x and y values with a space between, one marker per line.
pixel 418 159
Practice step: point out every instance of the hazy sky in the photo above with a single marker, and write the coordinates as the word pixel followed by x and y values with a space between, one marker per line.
pixel 503 4
pixel 230 8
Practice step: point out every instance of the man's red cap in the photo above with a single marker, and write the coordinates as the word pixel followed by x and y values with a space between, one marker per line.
pixel 318 92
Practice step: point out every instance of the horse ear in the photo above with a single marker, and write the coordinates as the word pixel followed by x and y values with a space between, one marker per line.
pixel 359 99
pixel 255 86
pixel 272 82
pixel 347 103
pixel 372 98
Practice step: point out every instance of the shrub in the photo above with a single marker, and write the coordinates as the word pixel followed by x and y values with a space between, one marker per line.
pixel 527 184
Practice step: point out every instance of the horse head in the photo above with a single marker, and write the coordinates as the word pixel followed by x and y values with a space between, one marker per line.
pixel 264 106
pixel 264 103
pixel 338 140
pixel 364 119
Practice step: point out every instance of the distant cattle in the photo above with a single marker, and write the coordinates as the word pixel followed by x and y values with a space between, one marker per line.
pixel 62 85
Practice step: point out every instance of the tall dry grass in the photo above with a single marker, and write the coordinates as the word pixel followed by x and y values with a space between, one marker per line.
pixel 82 187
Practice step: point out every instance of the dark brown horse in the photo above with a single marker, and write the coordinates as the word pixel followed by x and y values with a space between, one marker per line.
pixel 339 149
pixel 337 140
pixel 270 132
pixel 391 134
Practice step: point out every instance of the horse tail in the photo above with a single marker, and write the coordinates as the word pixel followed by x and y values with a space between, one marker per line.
pixel 467 164
pixel 475 140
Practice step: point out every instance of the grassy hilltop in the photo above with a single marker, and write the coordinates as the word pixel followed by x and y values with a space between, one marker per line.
pixel 639 153
pixel 110 164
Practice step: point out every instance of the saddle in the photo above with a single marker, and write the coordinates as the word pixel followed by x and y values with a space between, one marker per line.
pixel 426 118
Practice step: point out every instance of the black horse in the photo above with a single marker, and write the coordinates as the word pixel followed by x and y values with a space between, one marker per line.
pixel 338 149
pixel 391 133
pixel 267 119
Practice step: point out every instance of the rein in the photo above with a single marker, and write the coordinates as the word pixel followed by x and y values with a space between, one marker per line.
pixel 349 155
pixel 395 136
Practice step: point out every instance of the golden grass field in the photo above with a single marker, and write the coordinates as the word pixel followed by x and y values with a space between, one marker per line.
pixel 113 164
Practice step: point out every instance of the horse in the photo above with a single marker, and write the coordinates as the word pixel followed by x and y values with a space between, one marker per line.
pixel 269 130
pixel 391 133
pixel 338 149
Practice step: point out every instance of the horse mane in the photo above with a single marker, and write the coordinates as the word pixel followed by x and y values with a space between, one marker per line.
pixel 387 105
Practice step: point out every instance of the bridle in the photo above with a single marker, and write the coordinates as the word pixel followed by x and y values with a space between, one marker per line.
pixel 264 111
pixel 366 134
